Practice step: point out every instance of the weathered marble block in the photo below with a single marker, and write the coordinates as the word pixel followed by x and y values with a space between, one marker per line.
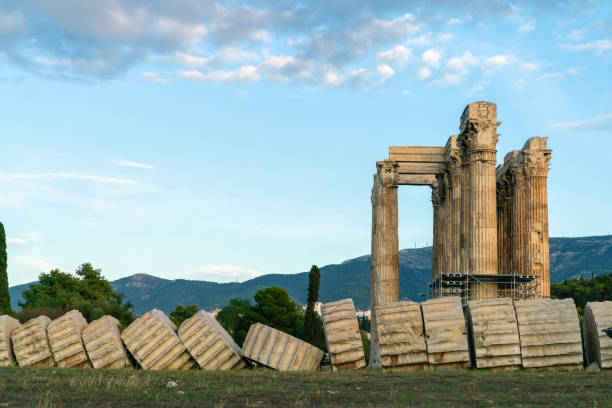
pixel 153 342
pixel 102 340
pixel 64 334
pixel 342 335
pixel 494 334
pixel 280 351
pixel 549 333
pixel 445 332
pixel 209 344
pixel 598 345
pixel 7 326
pixel 401 336
pixel 31 345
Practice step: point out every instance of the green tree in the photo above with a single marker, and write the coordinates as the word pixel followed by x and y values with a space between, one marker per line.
pixel 273 307
pixel 237 318
pixel 5 298
pixel 88 291
pixel 597 289
pixel 313 326
pixel 182 313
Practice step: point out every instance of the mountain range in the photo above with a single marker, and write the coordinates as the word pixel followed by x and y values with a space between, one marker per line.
pixel 569 258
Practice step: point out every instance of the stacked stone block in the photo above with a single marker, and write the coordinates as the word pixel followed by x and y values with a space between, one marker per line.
pixel 494 334
pixel 445 332
pixel 280 351
pixel 342 335
pixel 153 342
pixel 549 332
pixel 209 344
pixel 598 345
pixel 31 345
pixel 7 326
pixel 102 340
pixel 64 334
pixel 401 336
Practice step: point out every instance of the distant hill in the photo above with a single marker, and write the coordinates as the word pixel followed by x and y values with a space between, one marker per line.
pixel 569 258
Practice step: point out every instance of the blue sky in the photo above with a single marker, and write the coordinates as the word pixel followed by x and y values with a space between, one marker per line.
pixel 221 140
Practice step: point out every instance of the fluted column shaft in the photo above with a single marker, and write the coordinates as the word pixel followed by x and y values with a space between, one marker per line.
pixel 384 272
pixel 518 221
pixel 537 247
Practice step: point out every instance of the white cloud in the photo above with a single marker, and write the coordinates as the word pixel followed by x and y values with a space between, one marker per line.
pixel 20 241
pixel 457 68
pixel 332 79
pixel 432 57
pixel 32 265
pixel 126 163
pixel 398 55
pixel 222 273
pixel 193 61
pixel 385 72
pixel 406 92
pixel 244 73
pixel 601 122
pixel 526 27
pixel 65 176
pixel 558 75
pixel 598 46
pixel 529 66
pixel 155 78
pixel 498 61
pixel 424 74
pixel 454 21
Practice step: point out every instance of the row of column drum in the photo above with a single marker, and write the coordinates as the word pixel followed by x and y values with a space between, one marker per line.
pixel 491 333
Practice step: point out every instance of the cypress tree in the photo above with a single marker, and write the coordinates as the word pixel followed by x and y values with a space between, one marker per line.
pixel 5 298
pixel 313 327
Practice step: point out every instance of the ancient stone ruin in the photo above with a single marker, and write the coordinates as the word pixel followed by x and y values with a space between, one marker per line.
pixel 209 344
pixel 493 333
pixel 30 343
pixel 7 326
pixel 598 345
pixel 64 334
pixel 280 351
pixel 401 336
pixel 342 335
pixel 549 332
pixel 153 342
pixel 102 340
pixel 490 234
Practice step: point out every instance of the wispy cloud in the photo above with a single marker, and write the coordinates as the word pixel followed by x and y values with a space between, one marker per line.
pixel 527 27
pixel 561 74
pixel 155 78
pixel 20 241
pixel 601 122
pixel 65 176
pixel 32 264
pixel 222 273
pixel 126 163
pixel 598 46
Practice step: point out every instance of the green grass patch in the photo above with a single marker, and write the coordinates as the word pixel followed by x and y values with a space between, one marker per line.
pixel 53 387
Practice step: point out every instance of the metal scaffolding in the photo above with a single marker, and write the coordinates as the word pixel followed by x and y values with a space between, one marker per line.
pixel 469 286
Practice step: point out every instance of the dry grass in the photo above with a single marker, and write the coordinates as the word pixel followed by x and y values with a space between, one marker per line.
pixel 50 387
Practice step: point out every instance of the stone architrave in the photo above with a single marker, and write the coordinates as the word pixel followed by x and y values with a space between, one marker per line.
pixel 536 158
pixel 478 140
pixel 153 342
pixel 401 336
pixel 280 351
pixel 384 274
pixel 102 340
pixel 31 345
pixel 209 344
pixel 447 344
pixel 549 333
pixel 494 334
pixel 7 326
pixel 598 345
pixel 342 335
pixel 64 334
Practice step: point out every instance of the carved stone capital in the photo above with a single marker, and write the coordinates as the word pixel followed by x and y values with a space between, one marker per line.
pixel 387 170
pixel 537 163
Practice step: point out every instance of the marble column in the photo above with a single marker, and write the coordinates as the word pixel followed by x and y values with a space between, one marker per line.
pixel 536 160
pixel 453 198
pixel 384 272
pixel 517 178
pixel 478 140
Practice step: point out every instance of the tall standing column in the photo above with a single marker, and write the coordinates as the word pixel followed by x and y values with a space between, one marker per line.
pixel 537 262
pixel 453 198
pixel 478 140
pixel 517 178
pixel 438 199
pixel 384 272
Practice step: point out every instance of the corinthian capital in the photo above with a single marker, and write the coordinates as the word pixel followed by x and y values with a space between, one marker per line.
pixel 536 157
pixel 387 170
pixel 479 127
